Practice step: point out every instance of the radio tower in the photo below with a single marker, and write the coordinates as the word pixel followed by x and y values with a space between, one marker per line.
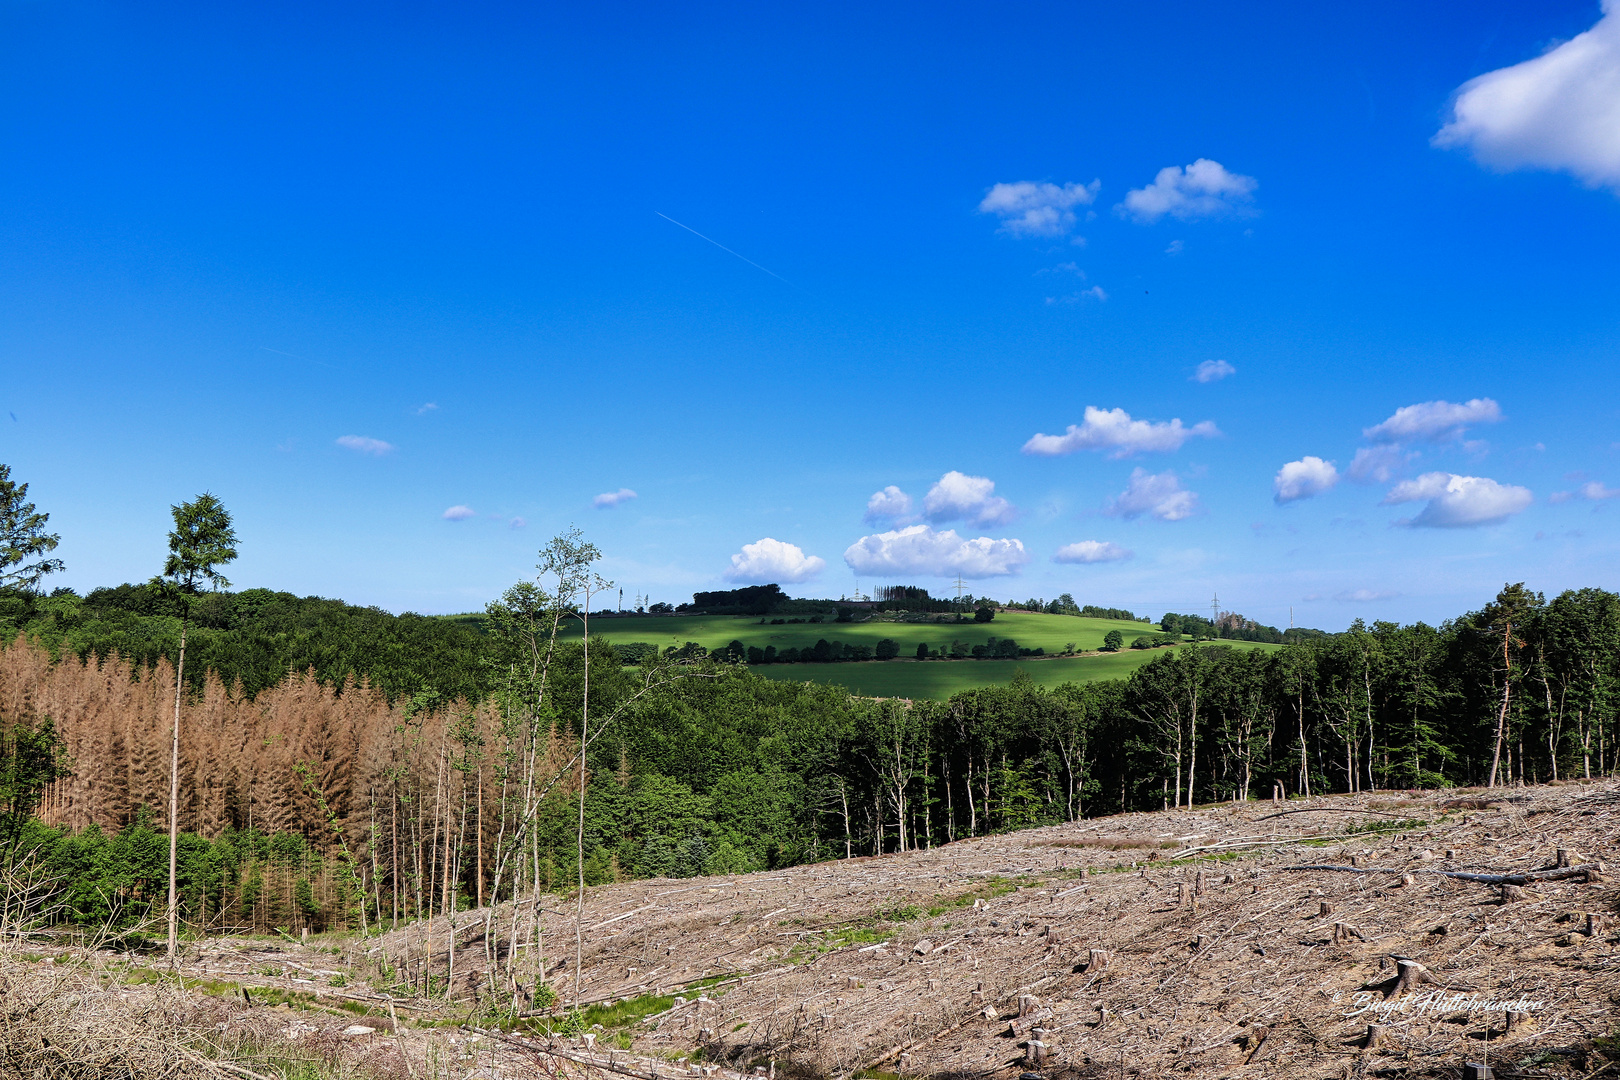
pixel 1215 608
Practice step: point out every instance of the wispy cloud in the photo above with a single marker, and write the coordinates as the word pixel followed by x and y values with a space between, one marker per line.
pixel 1158 494
pixel 1595 490
pixel 1090 551
pixel 1558 111
pixel 769 560
pixel 919 549
pixel 1363 596
pixel 609 499
pixel 1213 371
pixel 519 523
pixel 1303 478
pixel 1114 430
pixel 1434 421
pixel 1458 501
pixel 424 409
pixel 1033 208
pixel 459 513
pixel 364 444
pixel 1376 464
pixel 1203 189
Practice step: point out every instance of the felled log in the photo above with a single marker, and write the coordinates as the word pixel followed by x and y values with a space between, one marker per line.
pixel 1587 870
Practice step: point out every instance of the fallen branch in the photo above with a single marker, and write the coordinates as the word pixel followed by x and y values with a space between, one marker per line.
pixel 1326 810
pixel 1484 879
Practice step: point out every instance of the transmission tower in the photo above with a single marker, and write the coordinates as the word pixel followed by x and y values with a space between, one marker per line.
pixel 960 586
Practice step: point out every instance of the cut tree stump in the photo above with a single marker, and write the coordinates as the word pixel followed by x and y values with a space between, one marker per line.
pixel 1198 884
pixel 1412 975
pixel 1378 1035
pixel 1594 924
pixel 1028 1004
pixel 1325 910
pixel 1097 960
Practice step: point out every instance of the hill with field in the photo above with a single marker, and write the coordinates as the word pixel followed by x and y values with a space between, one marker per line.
pixel 1070 648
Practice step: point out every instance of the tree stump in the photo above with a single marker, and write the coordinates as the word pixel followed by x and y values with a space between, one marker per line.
pixel 1378 1035
pixel 1097 960
pixel 1516 1022
pixel 1183 894
pixel 1425 856
pixel 1594 924
pixel 1407 881
pixel 1355 860
pixel 851 983
pixel 1198 884
pixel 1473 1070
pixel 1412 975
pixel 1229 879
pixel 1566 857
pixel 1084 873
pixel 976 998
pixel 905 1063
pixel 1325 910
pixel 1201 944
pixel 1027 1004
pixel 1034 1053
pixel 1513 894
pixel 1451 853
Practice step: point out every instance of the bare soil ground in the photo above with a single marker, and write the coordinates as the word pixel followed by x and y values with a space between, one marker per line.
pixel 1142 945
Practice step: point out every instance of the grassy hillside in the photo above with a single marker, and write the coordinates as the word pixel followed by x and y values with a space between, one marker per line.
pixel 1029 629
pixel 935 679
pixel 939 679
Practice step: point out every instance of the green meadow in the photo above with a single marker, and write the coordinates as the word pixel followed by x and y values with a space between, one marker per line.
pixel 906 677
pixel 1030 629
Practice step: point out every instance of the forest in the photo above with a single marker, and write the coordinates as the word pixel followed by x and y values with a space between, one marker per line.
pixel 321 796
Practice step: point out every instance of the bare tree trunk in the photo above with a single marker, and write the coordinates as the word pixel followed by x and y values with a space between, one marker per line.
pixel 584 723
pixel 174 791
pixel 1507 691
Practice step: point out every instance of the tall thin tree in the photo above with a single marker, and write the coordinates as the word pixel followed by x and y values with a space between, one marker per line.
pixel 201 541
pixel 23 536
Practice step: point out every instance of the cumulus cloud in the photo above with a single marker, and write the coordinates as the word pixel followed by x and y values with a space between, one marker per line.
pixel 1028 208
pixel 1558 111
pixel 1303 478
pixel 919 549
pixel 1595 491
pixel 1090 551
pixel 1458 501
pixel 1115 431
pixel 1158 494
pixel 1363 596
pixel 768 560
pixel 459 513
pixel 362 444
pixel 609 499
pixel 1203 189
pixel 959 497
pixel 1434 421
pixel 1213 371
pixel 890 504
pixel 1375 464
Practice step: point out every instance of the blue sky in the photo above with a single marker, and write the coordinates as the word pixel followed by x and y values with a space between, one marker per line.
pixel 405 287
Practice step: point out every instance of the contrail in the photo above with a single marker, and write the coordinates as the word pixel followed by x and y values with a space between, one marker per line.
pixel 725 249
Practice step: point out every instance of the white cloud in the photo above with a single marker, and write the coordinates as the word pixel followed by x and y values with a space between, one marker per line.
pixel 1363 596
pixel 1458 501
pixel 1434 421
pixel 1595 491
pixel 1202 189
pixel 1028 208
pixel 609 499
pixel 1176 248
pixel 1558 111
pixel 890 504
pixel 958 496
pixel 767 560
pixel 427 408
pixel 921 550
pixel 1094 293
pixel 459 513
pixel 1375 464
pixel 1113 429
pixel 1090 551
pixel 518 523
pixel 1303 478
pixel 362 444
pixel 1159 494
pixel 1213 371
